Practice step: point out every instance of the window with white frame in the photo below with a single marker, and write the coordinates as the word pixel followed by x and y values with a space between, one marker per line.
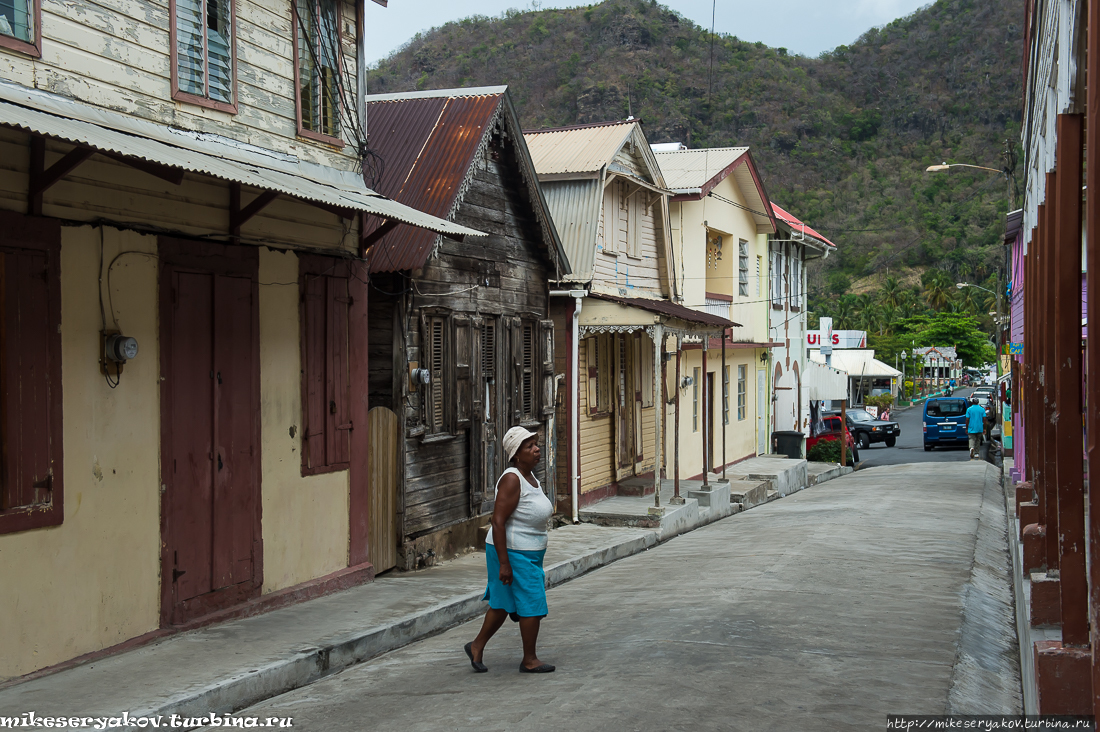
pixel 726 395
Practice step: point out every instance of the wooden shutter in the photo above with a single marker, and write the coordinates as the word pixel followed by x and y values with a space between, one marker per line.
pixel 326 370
pixel 515 330
pixel 546 347
pixel 592 361
pixel 462 339
pixel 314 416
pixel 635 211
pixel 477 417
pixel 338 437
pixel 26 366
pixel 436 364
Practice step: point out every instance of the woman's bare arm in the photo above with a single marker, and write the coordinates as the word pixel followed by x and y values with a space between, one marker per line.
pixel 506 502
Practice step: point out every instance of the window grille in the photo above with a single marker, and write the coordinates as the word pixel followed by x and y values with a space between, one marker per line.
pixel 742 392
pixel 743 268
pixel 528 385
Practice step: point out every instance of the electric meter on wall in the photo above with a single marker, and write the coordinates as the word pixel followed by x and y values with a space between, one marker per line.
pixel 120 348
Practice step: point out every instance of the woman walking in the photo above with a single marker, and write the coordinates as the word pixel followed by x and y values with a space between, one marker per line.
pixel 514 550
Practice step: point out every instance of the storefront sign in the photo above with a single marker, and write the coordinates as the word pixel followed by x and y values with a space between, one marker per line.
pixel 841 339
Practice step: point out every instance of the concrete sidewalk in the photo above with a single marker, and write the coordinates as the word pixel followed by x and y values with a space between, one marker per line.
pixel 226 667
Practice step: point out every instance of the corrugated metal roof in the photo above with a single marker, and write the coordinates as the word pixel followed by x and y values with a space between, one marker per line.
pixel 47 114
pixel 1014 221
pixel 428 145
pixel 575 206
pixel 584 149
pixel 429 142
pixel 793 221
pixel 692 174
pixel 667 307
pixel 857 363
pixel 687 171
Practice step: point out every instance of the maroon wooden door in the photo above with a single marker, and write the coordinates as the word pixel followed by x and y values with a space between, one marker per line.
pixel 210 434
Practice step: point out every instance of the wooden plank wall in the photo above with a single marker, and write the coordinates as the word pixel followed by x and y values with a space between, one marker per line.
pixel 514 260
pixel 596 446
pixel 116 54
pixel 561 312
pixel 635 277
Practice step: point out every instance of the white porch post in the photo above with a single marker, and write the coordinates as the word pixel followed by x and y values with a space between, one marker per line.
pixel 659 408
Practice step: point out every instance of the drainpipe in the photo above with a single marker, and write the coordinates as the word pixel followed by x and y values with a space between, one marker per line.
pixel 574 392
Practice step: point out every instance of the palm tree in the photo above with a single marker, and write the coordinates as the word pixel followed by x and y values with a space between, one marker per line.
pixel 842 316
pixel 889 295
pixel 939 291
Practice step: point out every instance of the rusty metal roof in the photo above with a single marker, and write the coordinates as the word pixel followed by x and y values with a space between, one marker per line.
pixel 429 142
pixel 667 307
pixel 48 114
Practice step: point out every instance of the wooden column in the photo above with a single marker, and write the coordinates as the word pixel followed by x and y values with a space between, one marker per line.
pixel 658 416
pixel 1092 222
pixel 726 394
pixel 1046 429
pixel 706 416
pixel 676 426
pixel 1066 427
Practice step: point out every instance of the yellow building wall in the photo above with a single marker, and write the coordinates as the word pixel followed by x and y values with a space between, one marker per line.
pixel 689 237
pixel 93 581
pixel 305 519
pixel 740 434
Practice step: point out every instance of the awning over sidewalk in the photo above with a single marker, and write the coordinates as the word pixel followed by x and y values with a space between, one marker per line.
pixel 653 310
pixel 129 137
pixel 857 363
pixel 824 382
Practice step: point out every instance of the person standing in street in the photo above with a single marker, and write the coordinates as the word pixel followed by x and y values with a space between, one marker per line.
pixel 514 552
pixel 975 425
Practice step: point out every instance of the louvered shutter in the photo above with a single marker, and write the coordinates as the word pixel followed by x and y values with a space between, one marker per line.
pixel 516 391
pixel 592 360
pixel 190 28
pixel 477 418
pixel 28 465
pixel 546 347
pixel 219 39
pixel 463 355
pixel 436 365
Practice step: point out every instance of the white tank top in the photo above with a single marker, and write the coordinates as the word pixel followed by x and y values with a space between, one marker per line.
pixel 525 529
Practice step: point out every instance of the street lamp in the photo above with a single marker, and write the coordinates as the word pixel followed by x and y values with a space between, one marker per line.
pixel 1000 327
pixel 948 166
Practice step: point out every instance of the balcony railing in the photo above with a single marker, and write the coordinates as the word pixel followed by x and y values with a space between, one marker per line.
pixel 721 308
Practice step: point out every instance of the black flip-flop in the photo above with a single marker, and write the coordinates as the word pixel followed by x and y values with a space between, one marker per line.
pixel 478 665
pixel 543 669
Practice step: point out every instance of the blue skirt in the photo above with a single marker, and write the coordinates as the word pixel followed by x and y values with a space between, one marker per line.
pixel 526 596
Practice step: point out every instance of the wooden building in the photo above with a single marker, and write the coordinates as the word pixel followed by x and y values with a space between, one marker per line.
pixel 183 317
pixel 461 347
pixel 610 203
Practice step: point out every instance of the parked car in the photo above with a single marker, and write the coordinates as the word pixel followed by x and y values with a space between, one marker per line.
pixel 867 429
pixel 945 422
pixel 832 432
pixel 984 392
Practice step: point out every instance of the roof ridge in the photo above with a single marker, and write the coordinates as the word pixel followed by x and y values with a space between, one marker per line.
pixel 582 127
pixel 453 93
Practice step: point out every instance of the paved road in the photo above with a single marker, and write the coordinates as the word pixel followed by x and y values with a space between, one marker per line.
pixel 825 610
pixel 910 446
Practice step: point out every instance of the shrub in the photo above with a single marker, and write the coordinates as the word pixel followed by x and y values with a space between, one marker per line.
pixel 882 401
pixel 828 451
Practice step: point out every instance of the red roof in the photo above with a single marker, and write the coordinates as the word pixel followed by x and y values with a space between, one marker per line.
pixel 794 222
pixel 428 145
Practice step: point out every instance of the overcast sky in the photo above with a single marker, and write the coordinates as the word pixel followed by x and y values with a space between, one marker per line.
pixel 801 26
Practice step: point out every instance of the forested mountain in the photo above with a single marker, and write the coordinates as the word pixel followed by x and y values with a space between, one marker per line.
pixel 843 139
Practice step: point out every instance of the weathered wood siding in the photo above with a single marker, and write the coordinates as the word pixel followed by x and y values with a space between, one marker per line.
pixel 514 262
pixel 116 54
pixel 561 312
pixel 101 188
pixel 382 312
pixel 615 267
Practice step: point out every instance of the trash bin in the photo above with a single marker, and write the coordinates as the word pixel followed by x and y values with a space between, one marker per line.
pixel 789 443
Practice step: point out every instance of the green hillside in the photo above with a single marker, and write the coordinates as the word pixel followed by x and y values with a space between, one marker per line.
pixel 842 139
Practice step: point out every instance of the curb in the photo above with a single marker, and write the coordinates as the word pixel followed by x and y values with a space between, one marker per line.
pixel 231 694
